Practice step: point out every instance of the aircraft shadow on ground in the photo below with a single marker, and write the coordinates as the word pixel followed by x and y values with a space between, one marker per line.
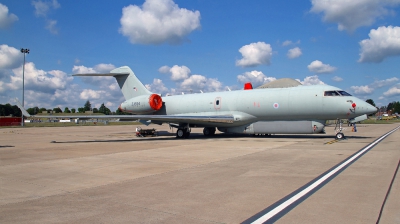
pixel 196 136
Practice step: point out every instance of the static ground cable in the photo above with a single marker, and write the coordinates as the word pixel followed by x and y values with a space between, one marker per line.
pixel 387 193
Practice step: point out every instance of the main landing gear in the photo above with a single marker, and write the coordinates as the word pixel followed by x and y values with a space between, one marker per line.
pixel 208 131
pixel 339 129
pixel 183 132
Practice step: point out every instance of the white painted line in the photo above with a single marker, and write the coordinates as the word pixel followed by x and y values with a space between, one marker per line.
pixel 297 196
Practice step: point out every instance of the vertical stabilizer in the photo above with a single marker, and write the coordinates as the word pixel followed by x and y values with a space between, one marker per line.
pixel 129 84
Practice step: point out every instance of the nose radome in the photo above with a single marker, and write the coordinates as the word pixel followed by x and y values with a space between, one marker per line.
pixel 367 108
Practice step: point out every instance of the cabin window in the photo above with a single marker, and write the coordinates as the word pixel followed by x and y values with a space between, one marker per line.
pixel 217 102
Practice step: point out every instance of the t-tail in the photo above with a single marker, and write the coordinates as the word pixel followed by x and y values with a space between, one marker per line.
pixel 138 99
pixel 129 84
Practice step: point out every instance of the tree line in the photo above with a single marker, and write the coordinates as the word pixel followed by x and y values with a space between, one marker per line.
pixel 393 107
pixel 8 109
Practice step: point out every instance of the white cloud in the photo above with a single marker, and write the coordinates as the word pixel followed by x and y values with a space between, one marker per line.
pixel 311 80
pixel 394 91
pixel 383 42
pixel 294 53
pixel 178 73
pixel 318 67
pixel 42 7
pixel 362 90
pixel 95 80
pixel 349 15
pixel 255 54
pixel 10 57
pixel 195 83
pixel 51 26
pixel 90 94
pixel 337 79
pixel 289 42
pixel 157 22
pixel 6 19
pixel 157 87
pixel 382 83
pixel 39 80
pixel 256 78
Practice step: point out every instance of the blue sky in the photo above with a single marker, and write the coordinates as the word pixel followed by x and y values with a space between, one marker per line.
pixel 187 46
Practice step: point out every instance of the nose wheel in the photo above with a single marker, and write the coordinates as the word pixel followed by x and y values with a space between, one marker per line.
pixel 339 129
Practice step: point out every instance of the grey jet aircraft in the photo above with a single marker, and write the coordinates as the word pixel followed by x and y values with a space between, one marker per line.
pixel 278 110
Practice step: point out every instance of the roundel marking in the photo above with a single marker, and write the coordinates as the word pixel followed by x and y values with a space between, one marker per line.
pixel 276 105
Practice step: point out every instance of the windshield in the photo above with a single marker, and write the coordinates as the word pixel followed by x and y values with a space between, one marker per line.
pixel 336 93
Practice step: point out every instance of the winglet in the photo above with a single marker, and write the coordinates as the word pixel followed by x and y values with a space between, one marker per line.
pixel 24 112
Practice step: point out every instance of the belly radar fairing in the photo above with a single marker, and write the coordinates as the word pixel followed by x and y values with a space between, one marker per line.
pixel 277 109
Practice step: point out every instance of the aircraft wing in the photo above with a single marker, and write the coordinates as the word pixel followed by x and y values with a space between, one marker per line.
pixel 160 118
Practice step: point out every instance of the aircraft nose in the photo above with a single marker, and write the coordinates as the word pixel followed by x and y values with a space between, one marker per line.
pixel 366 108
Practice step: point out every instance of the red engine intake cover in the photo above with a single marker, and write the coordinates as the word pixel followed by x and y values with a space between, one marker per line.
pixel 155 101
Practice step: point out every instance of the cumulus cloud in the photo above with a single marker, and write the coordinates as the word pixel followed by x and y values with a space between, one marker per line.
pixel 362 90
pixel 95 80
pixel 157 87
pixel 369 89
pixel 383 42
pixel 195 83
pixel 382 83
pixel 6 18
pixel 337 79
pixel 10 57
pixel 394 91
pixel 37 80
pixel 349 15
pixel 311 80
pixel 177 72
pixel 294 53
pixel 255 54
pixel 256 78
pixel 320 68
pixel 157 22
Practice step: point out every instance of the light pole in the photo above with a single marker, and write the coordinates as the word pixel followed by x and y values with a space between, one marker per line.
pixel 24 51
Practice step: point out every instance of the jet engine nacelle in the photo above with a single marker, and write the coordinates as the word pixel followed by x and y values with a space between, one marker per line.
pixel 142 104
pixel 278 127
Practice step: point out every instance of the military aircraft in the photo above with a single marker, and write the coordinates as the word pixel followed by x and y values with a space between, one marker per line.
pixel 276 109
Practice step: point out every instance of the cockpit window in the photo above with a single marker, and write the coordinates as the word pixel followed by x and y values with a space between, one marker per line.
pixel 344 93
pixel 331 93
pixel 336 93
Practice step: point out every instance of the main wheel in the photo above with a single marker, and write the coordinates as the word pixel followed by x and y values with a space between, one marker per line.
pixel 180 133
pixel 206 132
pixel 339 135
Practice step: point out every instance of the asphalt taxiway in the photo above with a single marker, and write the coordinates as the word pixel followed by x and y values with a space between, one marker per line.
pixel 104 174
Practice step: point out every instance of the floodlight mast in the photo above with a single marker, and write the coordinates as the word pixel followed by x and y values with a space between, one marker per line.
pixel 24 51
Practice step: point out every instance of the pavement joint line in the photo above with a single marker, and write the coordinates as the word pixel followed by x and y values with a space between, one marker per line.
pixel 280 208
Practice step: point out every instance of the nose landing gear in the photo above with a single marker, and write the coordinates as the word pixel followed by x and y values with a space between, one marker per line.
pixel 339 129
